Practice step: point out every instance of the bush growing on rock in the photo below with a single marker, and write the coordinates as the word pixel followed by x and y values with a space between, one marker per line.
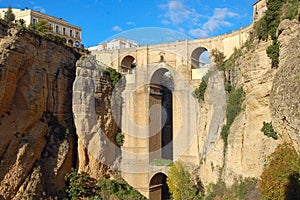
pixel 281 176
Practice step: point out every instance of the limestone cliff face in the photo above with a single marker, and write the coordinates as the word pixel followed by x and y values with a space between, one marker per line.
pixel 36 123
pixel 95 119
pixel 285 104
pixel 271 95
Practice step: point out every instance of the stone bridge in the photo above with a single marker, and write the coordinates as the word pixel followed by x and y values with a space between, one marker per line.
pixel 160 118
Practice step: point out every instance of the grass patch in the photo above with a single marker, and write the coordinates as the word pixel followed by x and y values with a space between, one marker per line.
pixel 241 189
pixel 162 162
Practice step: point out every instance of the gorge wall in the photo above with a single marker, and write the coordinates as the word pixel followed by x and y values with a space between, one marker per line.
pixel 38 142
pixel 56 114
pixel 271 95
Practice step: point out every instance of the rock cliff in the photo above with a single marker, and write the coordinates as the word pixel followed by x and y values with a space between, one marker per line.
pixel 36 123
pixel 270 95
pixel 95 117
pixel 284 99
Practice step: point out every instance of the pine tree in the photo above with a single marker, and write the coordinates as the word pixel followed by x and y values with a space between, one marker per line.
pixel 9 15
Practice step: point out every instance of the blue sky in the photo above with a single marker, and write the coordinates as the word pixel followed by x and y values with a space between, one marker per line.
pixel 150 21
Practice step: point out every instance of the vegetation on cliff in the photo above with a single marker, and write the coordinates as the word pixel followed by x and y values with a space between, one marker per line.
pixel 267 26
pixel 241 189
pixel 9 15
pixel 181 184
pixel 268 130
pixel 80 185
pixel 281 177
pixel 235 99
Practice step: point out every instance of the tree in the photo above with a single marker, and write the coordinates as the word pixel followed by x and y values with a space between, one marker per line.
pixel 42 25
pixel 181 184
pixel 218 57
pixel 9 15
pixel 281 176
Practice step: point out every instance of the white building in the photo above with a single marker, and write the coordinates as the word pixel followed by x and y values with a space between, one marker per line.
pixel 119 43
pixel 59 27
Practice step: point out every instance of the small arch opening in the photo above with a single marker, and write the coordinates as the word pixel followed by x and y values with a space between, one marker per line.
pixel 128 63
pixel 162 59
pixel 158 188
pixel 70 42
pixel 200 58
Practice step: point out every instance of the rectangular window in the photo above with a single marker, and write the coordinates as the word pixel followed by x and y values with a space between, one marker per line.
pixel 64 30
pixel 77 34
pixel 57 29
pixel 33 21
pixel 71 33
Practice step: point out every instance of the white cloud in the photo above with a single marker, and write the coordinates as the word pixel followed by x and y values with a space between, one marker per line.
pixel 130 23
pixel 176 13
pixel 215 22
pixel 219 19
pixel 117 28
pixel 40 9
pixel 198 32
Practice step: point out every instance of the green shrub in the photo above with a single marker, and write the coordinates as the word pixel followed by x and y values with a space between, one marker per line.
pixel 234 107
pixel 76 184
pixel 9 15
pixel 241 189
pixel 200 91
pixel 273 53
pixel 230 63
pixel 218 57
pixel 119 189
pixel 267 26
pixel 114 75
pixel 280 178
pixel 261 28
pixel 181 185
pixel 82 186
pixel 290 9
pixel 120 138
pixel 268 130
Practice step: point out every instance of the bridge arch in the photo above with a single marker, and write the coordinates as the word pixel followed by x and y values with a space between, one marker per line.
pixel 158 188
pixel 128 62
pixel 161 115
pixel 200 57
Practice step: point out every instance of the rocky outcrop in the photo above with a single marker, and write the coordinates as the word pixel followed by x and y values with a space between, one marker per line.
pixel 96 120
pixel 248 148
pixel 36 123
pixel 285 104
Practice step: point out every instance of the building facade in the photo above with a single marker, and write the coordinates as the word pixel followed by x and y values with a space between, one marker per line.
pixel 119 43
pixel 58 26
pixel 259 9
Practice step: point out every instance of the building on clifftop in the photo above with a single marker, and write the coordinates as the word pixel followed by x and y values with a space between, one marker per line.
pixel 119 43
pixel 58 26
pixel 259 9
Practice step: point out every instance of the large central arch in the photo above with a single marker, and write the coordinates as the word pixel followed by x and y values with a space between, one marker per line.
pixel 161 115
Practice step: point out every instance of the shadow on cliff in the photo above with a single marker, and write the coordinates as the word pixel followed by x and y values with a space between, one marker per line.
pixel 293 188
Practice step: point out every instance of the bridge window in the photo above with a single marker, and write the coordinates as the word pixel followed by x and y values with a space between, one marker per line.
pixel 162 59
pixel 200 58
pixel 128 63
